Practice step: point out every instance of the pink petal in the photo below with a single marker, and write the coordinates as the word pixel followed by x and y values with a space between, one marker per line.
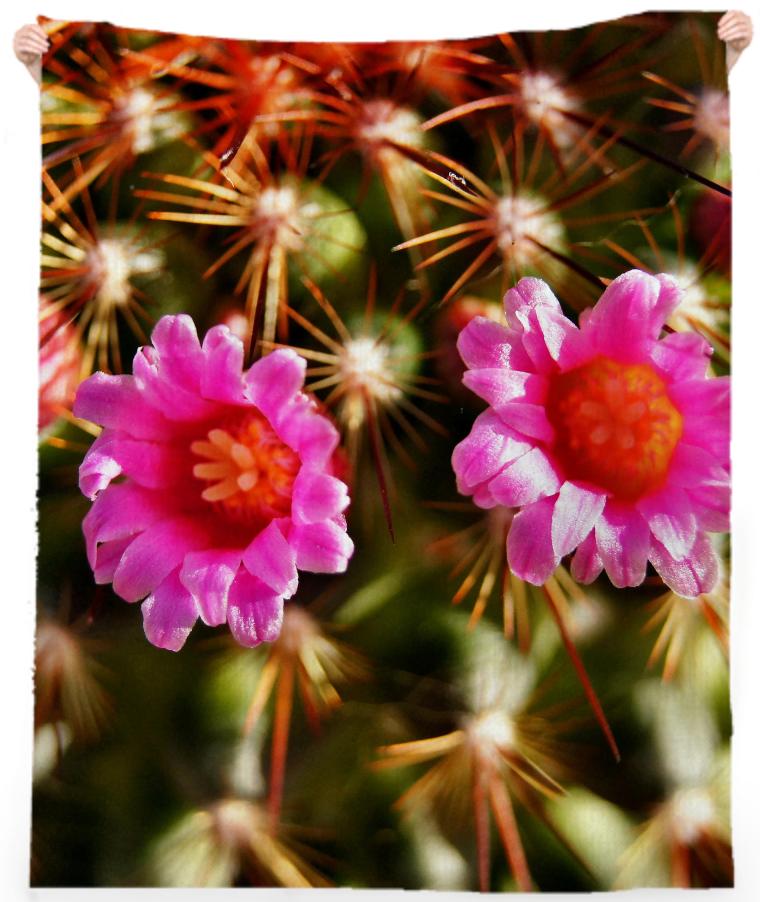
pixel 533 342
pixel 670 519
pixel 151 465
pixel 222 372
pixel 107 559
pixel 321 547
pixel 707 486
pixel 528 419
pixel 98 468
pixel 207 576
pixel 175 400
pixel 550 338
pixel 628 315
pixel 530 293
pixel 622 541
pixel 483 498
pixel 274 380
pixel 116 402
pixel 271 558
pixel 525 480
pixel 497 386
pixel 695 575
pixel 586 564
pixel 711 503
pixel 530 551
pixel 702 398
pixel 154 554
pixel 682 355
pixel 254 611
pixel 317 496
pixel 169 614
pixel 489 446
pixel 123 510
pixel 306 431
pixel 484 343
pixel 564 341
pixel 670 297
pixel 711 435
pixel 575 515
pixel 691 465
pixel 175 339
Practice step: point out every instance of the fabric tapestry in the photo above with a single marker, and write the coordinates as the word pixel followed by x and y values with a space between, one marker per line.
pixel 388 385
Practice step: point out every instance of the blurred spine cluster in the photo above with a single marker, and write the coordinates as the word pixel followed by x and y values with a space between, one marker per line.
pixel 351 216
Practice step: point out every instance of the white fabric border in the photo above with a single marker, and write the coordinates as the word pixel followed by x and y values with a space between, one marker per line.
pixel 336 20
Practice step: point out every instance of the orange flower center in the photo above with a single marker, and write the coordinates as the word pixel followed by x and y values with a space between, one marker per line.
pixel 615 426
pixel 249 470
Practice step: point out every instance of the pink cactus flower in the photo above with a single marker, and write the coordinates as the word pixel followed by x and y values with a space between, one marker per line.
pixel 609 440
pixel 212 486
pixel 60 363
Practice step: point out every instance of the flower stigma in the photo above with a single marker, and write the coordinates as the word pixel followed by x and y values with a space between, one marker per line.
pixel 615 426
pixel 249 470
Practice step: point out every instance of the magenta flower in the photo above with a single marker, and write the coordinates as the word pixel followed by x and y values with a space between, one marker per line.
pixel 226 485
pixel 60 364
pixel 611 441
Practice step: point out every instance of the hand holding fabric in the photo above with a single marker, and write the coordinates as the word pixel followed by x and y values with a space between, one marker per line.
pixel 29 43
pixel 735 28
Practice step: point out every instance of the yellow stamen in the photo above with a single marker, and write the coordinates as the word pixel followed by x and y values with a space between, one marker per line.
pixel 251 470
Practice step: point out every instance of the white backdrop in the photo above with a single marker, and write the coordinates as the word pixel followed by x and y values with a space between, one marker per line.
pixel 337 20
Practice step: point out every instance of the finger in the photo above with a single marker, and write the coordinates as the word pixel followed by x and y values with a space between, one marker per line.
pixel 39 31
pixel 35 44
pixel 734 34
pixel 26 35
pixel 730 23
pixel 730 16
pixel 31 46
